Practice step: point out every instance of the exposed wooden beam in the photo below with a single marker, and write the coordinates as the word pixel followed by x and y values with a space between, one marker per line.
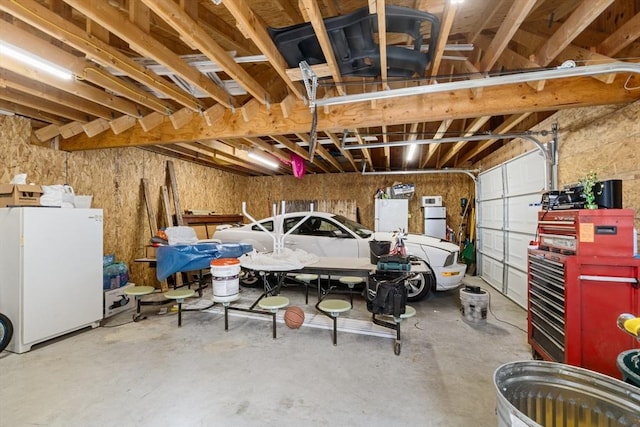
pixel 621 38
pixel 517 13
pixel 433 147
pixel 315 17
pixel 485 19
pixel 289 11
pixel 322 152
pixel 382 39
pixel 180 21
pixel 44 106
pixel 345 153
pixel 448 16
pixel 291 146
pixel 504 127
pixel 111 18
pixel 260 36
pixel 224 31
pixel 570 53
pixel 57 27
pixel 72 107
pixel 559 94
pixel 582 16
pixel 475 125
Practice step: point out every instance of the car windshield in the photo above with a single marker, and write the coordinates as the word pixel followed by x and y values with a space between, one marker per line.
pixel 357 228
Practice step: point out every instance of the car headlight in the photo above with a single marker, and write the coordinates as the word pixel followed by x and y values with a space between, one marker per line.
pixel 451 259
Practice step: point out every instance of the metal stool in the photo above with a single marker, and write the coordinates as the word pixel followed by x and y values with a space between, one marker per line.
pixel 179 295
pixel 138 292
pixel 351 282
pixel 226 301
pixel 333 308
pixel 408 312
pixel 307 279
pixel 273 304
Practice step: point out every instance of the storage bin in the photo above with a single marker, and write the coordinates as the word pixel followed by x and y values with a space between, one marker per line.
pixel 537 393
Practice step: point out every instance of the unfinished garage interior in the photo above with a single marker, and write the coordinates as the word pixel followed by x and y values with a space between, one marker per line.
pixel 164 121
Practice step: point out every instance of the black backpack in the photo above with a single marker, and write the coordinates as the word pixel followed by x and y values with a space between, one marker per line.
pixel 385 296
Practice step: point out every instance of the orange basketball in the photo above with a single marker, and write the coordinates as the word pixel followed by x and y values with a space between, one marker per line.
pixel 294 317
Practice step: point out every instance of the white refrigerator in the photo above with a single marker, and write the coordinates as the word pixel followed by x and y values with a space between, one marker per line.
pixel 50 272
pixel 435 221
pixel 391 215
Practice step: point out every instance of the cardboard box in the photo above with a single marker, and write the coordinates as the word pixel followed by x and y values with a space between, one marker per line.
pixel 115 301
pixel 20 195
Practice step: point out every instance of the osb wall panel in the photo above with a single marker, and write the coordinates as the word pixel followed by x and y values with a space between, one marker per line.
pixel 603 139
pixel 113 177
pixel 353 186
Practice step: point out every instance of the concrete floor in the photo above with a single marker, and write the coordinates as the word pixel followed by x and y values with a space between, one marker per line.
pixel 153 373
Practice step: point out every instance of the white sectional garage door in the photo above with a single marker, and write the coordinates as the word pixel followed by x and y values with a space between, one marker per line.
pixel 508 204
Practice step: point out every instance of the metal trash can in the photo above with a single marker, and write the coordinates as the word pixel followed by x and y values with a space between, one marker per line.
pixel 537 393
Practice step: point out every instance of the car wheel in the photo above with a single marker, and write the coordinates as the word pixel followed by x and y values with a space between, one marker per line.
pixel 421 285
pixel 249 278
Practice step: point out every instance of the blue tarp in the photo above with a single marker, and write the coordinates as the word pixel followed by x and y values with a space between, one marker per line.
pixel 177 258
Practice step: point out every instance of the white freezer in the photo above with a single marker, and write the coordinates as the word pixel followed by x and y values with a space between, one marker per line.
pixel 50 271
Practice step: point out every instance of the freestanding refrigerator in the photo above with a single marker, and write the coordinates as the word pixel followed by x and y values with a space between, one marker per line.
pixel 50 271
pixel 391 215
pixel 435 221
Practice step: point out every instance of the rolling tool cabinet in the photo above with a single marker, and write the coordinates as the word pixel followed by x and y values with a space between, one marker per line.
pixel 582 276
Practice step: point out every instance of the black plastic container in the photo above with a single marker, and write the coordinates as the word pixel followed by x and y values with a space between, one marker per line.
pixel 378 248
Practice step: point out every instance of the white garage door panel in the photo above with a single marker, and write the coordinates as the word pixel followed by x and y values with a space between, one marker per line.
pixel 492 244
pixel 492 214
pixel 517 289
pixel 492 272
pixel 491 185
pixel 507 220
pixel 523 213
pixel 524 174
pixel 517 253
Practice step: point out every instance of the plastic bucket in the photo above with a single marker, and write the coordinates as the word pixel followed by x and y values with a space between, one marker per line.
pixel 536 393
pixel 224 277
pixel 378 248
pixel 474 305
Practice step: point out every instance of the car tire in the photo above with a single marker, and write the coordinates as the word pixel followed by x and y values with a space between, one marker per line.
pixel 249 279
pixel 421 285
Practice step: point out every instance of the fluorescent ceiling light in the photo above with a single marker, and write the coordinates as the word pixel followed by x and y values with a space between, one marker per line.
pixel 6 112
pixel 264 160
pixel 34 61
pixel 364 138
pixel 411 151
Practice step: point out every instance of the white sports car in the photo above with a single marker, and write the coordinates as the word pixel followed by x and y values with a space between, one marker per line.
pixel 325 234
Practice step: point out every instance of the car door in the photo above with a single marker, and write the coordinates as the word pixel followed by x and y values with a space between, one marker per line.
pixel 320 236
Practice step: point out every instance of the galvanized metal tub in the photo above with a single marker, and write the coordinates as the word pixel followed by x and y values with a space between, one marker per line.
pixel 535 393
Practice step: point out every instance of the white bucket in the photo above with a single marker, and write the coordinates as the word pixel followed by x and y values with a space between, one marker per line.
pixel 474 305
pixel 224 277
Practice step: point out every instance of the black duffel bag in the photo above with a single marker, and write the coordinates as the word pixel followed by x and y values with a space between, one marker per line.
pixel 386 296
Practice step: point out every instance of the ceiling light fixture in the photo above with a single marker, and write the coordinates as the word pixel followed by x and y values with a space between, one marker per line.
pixel 6 112
pixel 34 61
pixel 364 138
pixel 264 160
pixel 411 151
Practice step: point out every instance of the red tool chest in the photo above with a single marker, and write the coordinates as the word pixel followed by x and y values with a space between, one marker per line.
pixel 580 279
